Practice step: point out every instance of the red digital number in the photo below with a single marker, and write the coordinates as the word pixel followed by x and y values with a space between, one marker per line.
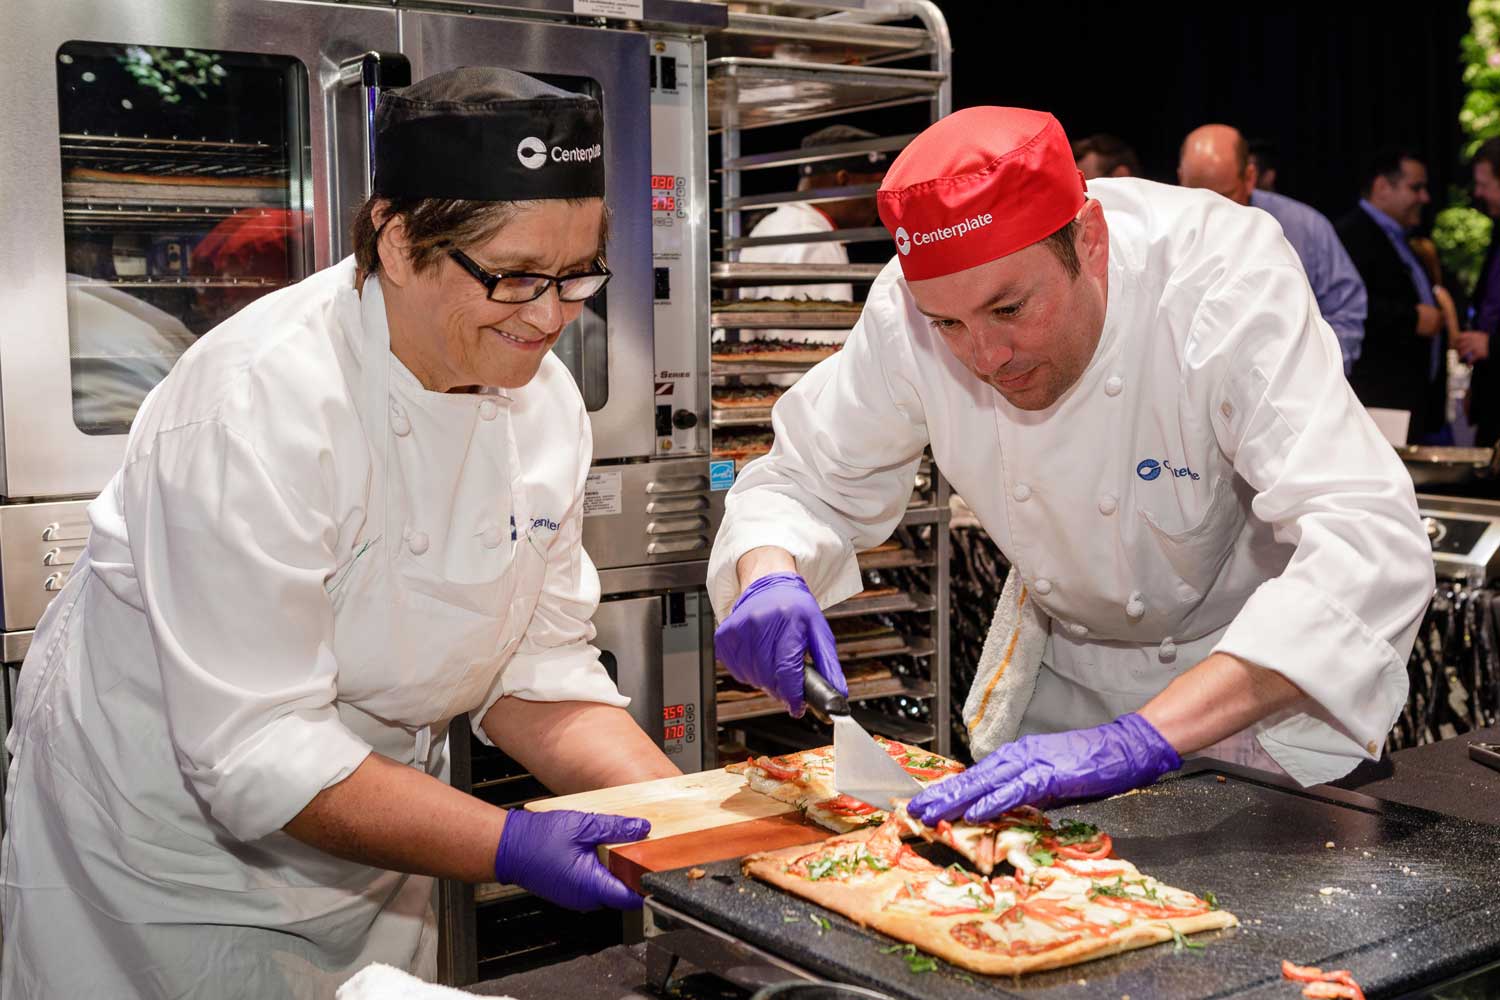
pixel 663 203
pixel 663 182
pixel 672 712
pixel 673 732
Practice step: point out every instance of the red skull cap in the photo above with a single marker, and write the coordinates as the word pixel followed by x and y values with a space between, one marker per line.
pixel 982 183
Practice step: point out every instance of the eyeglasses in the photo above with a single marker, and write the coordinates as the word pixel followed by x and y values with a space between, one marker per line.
pixel 515 287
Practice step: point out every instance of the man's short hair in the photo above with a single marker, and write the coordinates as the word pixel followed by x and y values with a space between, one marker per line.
pixel 1112 151
pixel 1265 155
pixel 1489 152
pixel 1385 162
pixel 1064 246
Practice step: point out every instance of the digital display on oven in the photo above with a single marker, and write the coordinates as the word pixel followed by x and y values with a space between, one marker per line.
pixel 663 182
pixel 673 718
pixel 663 203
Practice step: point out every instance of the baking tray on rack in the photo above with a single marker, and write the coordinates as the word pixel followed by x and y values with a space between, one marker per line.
pixel 1404 898
pixel 886 687
pixel 884 605
pixel 753 93
pixel 785 319
pixel 739 274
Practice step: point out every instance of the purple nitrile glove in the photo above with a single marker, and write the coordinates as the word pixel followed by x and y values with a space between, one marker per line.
pixel 1047 768
pixel 552 854
pixel 771 627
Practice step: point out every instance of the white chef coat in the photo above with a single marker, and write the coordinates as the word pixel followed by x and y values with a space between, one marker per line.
pixel 1209 483
pixel 790 220
pixel 306 557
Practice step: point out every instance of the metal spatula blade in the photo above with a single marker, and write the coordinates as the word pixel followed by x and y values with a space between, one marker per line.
pixel 863 770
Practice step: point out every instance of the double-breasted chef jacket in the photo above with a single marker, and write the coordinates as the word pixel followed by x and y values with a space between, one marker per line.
pixel 306 557
pixel 1210 483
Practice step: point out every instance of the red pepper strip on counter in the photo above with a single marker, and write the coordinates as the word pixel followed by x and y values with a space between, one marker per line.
pixel 1338 984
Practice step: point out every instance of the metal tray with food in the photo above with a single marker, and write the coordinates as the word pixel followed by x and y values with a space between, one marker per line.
pixel 754 93
pixel 888 687
pixel 741 274
pixel 816 40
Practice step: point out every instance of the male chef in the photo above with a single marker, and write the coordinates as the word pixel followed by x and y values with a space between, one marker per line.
pixel 1132 387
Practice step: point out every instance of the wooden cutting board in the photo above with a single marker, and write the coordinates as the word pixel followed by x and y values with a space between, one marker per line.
pixel 695 819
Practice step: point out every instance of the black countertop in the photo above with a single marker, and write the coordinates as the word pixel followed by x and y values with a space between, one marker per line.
pixel 1439 777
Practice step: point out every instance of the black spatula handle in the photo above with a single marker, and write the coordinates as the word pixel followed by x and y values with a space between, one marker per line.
pixel 822 697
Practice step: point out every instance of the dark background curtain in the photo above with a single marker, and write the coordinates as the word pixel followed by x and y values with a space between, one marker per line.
pixel 1329 82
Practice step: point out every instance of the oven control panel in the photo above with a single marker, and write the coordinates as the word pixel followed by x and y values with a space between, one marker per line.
pixel 686 614
pixel 679 228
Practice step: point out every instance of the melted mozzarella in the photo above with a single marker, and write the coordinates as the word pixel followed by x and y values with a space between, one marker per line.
pixel 965 893
pixel 1105 865
pixel 1015 846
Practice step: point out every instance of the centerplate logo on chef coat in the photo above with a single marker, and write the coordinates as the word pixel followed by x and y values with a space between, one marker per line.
pixel 543 522
pixel 1149 468
pixel 903 241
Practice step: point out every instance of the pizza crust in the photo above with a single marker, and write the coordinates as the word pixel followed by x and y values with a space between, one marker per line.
pixel 864 900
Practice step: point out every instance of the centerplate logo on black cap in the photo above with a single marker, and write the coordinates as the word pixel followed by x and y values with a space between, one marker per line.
pixel 532 152
pixel 903 241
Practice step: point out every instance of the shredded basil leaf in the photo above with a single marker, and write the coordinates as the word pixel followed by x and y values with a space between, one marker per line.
pixel 1211 900
pixel 1181 940
pixel 822 923
pixel 1072 831
pixel 1043 859
pixel 915 961
pixel 790 918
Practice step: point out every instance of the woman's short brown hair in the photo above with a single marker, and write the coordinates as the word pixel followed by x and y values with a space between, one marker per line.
pixel 433 225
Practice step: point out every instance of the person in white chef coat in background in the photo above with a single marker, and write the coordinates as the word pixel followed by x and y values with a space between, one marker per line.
pixel 348 515
pixel 802 218
pixel 1213 549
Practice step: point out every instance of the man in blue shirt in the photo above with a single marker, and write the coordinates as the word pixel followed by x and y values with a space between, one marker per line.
pixel 1217 157
pixel 1401 364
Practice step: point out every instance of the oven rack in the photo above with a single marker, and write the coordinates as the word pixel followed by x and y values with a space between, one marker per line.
pixel 885 687
pixel 173 156
pixel 740 274
pixel 784 319
pixel 160 281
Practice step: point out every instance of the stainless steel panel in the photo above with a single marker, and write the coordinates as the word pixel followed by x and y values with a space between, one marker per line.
pixel 618 62
pixel 644 532
pixel 14 646
pixel 44 453
pixel 39 542
pixel 699 15
pixel 663 576
pixel 629 638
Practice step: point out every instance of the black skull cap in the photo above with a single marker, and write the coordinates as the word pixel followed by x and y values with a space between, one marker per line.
pixel 485 134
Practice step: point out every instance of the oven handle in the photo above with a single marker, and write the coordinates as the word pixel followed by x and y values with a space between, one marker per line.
pixel 374 72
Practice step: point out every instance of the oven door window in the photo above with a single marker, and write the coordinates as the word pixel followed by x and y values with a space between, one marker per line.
pixel 583 346
pixel 183 173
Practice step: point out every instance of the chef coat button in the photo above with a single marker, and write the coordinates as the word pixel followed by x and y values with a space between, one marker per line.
pixel 1167 652
pixel 417 541
pixel 1135 607
pixel 1371 746
pixel 488 409
pixel 1021 492
pixel 1043 587
pixel 490 535
pixel 1108 504
pixel 1113 385
pixel 1076 628
pixel 400 425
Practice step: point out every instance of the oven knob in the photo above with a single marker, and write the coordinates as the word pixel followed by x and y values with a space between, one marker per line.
pixel 684 419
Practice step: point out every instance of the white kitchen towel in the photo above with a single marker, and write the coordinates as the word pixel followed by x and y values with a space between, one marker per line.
pixel 1008 668
pixel 384 982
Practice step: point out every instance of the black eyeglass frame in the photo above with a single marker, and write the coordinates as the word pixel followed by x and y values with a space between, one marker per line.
pixel 491 279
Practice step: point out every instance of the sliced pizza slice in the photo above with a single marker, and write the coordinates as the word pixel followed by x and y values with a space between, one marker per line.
pixel 805 780
pixel 1025 839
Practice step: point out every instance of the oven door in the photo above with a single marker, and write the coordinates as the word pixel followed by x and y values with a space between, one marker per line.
pixel 165 162
pixel 609 349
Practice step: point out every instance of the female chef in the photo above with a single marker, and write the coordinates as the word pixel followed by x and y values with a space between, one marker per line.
pixel 1138 398
pixel 347 516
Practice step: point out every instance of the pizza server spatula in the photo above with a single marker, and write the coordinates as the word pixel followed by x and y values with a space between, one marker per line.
pixel 861 769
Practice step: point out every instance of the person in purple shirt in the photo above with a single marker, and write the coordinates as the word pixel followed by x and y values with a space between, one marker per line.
pixel 1217 157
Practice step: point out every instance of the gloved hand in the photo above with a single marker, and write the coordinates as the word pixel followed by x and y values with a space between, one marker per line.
pixel 1052 767
pixel 773 624
pixel 552 854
